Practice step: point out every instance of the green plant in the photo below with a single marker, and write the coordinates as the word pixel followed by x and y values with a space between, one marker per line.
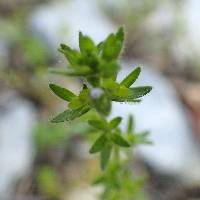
pixel 98 66
pixel 49 183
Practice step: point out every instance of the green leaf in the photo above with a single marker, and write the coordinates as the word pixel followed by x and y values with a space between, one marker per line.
pixel 120 34
pixel 98 124
pixel 99 144
pixel 109 69
pixel 131 78
pixel 99 180
pixel 141 138
pixel 100 47
pixel 111 48
pixel 86 44
pixel 119 140
pixel 109 85
pixel 70 114
pixel 73 56
pixel 105 155
pixel 75 103
pixel 63 93
pixel 102 104
pixel 115 122
pixel 133 94
pixel 130 124
pixel 76 71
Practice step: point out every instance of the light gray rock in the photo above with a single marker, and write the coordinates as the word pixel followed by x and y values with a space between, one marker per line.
pixel 174 151
pixel 16 152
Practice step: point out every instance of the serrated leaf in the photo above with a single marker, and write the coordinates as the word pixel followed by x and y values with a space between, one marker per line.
pixel 63 93
pixel 119 140
pixel 105 156
pixel 70 114
pixel 73 56
pixel 115 122
pixel 99 144
pixel 86 44
pixel 133 94
pixel 98 124
pixel 131 78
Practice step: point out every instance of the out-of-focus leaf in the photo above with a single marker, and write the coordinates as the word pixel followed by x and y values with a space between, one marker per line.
pixel 75 71
pixel 120 34
pixel 119 140
pixel 73 56
pixel 99 144
pixel 102 104
pixel 99 180
pixel 140 138
pixel 98 124
pixel 115 122
pixel 131 78
pixel 105 155
pixel 63 93
pixel 110 69
pixel 100 47
pixel 130 126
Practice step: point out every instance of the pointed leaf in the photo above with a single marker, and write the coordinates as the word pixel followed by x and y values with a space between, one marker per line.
pixel 73 56
pixel 86 44
pixel 119 140
pixel 63 93
pixel 70 114
pixel 100 47
pixel 105 156
pixel 141 138
pixel 99 144
pixel 115 122
pixel 130 124
pixel 120 34
pixel 133 94
pixel 111 48
pixel 76 71
pixel 98 124
pixel 131 78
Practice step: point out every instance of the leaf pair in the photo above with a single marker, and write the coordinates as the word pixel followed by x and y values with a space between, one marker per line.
pixel 112 46
pixel 78 104
pixel 104 145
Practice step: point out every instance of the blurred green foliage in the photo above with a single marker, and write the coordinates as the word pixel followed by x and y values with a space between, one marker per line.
pixel 47 136
pixel 49 183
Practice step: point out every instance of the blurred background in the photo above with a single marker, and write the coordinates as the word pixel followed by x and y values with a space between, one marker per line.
pixel 42 161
